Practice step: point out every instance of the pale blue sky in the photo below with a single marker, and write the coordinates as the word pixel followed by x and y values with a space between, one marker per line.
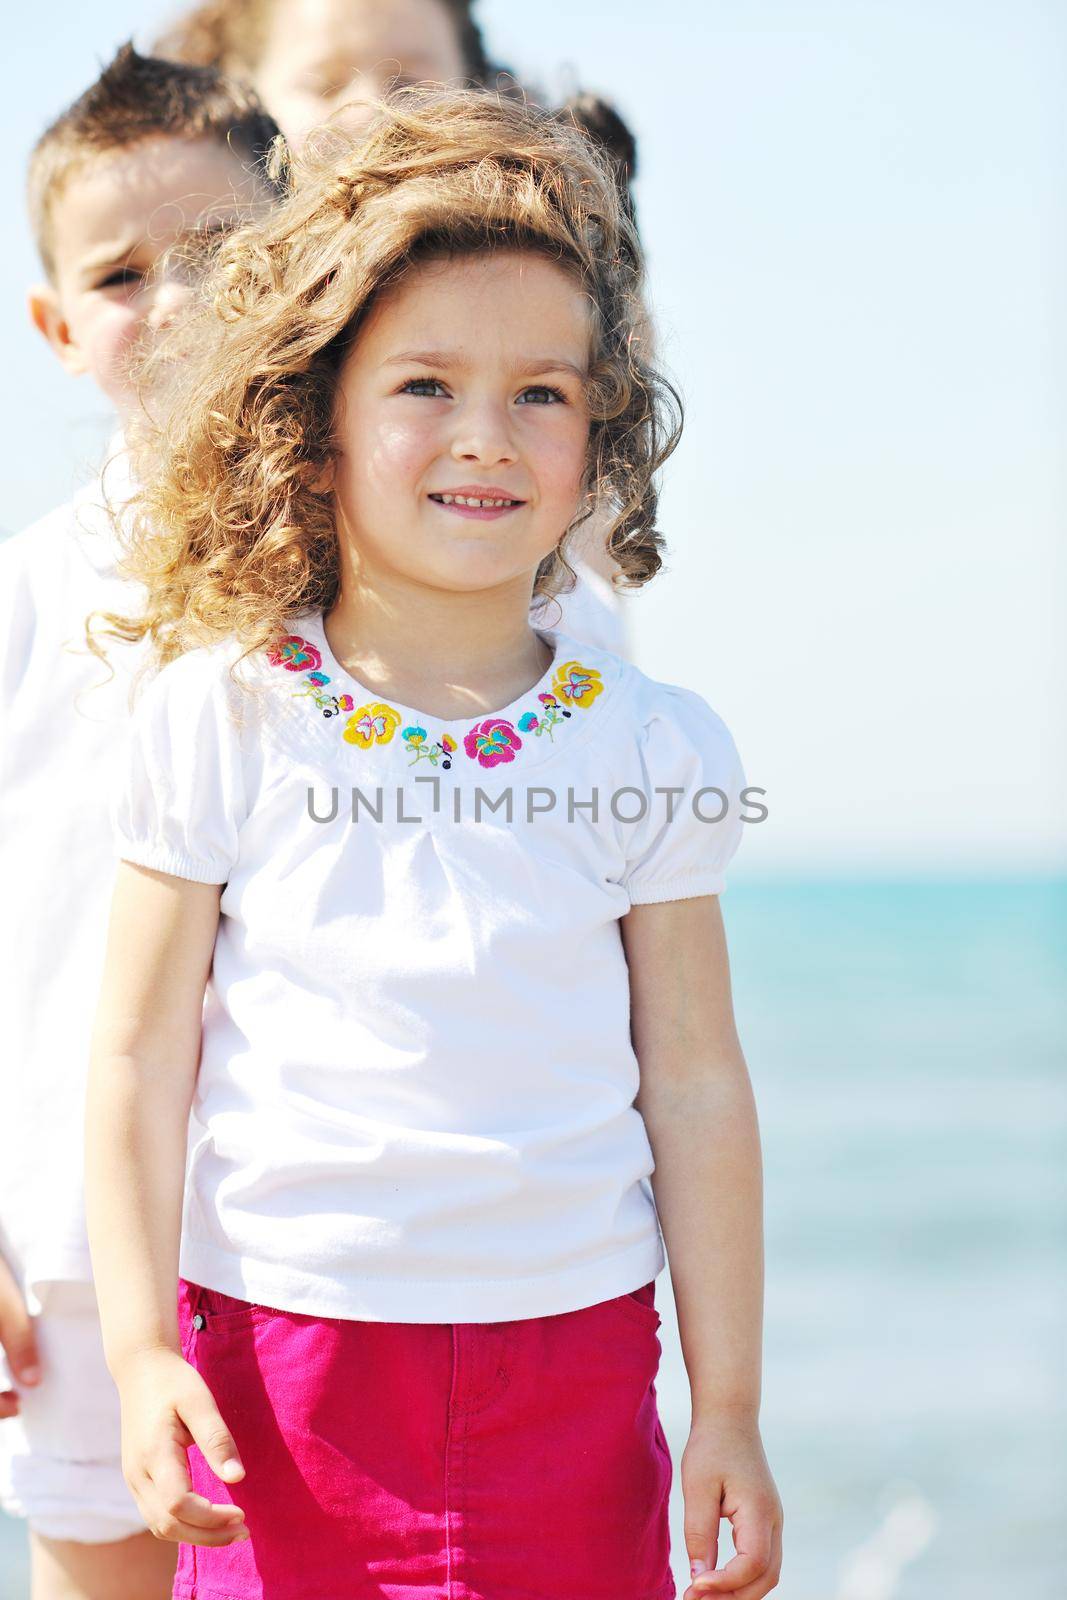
pixel 855 217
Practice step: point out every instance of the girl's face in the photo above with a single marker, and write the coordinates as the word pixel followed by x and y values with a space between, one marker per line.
pixel 466 383
pixel 320 55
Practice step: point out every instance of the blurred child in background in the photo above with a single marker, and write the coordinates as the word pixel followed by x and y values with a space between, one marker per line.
pixel 126 189
pixel 308 59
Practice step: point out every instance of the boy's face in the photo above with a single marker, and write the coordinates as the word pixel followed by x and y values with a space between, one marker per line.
pixel 320 55
pixel 113 224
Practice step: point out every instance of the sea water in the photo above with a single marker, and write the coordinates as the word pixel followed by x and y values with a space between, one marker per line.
pixel 906 1042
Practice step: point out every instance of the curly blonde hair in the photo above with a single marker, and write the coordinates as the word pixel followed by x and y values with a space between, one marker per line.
pixel 231 532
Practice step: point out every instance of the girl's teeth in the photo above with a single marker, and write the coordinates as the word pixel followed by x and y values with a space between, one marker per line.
pixel 469 500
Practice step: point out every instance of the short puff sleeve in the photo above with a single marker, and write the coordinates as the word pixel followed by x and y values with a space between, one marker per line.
pixel 179 799
pixel 683 842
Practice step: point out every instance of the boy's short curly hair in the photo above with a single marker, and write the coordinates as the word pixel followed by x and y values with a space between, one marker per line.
pixel 137 98
pixel 232 532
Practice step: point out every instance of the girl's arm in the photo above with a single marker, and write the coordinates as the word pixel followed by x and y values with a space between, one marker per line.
pixel 698 1108
pixel 145 1053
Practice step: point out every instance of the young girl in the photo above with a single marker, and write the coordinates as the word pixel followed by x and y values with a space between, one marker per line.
pixel 451 884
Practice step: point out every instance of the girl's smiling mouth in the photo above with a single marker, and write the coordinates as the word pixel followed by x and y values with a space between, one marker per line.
pixel 474 500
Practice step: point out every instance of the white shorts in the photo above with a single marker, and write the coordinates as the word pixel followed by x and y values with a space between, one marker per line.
pixel 60 1458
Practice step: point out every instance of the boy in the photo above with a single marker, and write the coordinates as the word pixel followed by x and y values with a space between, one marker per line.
pixel 149 162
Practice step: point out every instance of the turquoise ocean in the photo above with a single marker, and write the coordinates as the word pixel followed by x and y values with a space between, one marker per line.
pixel 907 1044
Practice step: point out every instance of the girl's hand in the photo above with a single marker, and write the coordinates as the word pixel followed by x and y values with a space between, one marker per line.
pixel 16 1339
pixel 725 1474
pixel 166 1406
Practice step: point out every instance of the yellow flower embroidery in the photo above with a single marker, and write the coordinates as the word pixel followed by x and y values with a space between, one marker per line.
pixel 374 724
pixel 577 685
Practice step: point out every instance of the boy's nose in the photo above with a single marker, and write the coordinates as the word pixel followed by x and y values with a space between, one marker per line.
pixel 354 105
pixel 168 298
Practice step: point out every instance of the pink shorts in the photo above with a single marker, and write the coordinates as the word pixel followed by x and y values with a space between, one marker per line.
pixel 434 1461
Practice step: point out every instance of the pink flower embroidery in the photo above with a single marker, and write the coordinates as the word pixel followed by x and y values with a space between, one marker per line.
pixel 294 654
pixel 492 741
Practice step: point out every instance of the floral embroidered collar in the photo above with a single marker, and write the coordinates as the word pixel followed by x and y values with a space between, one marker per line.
pixel 367 722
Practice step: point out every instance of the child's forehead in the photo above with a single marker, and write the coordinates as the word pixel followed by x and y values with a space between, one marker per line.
pixel 354 34
pixel 149 193
pixel 509 301
pixel 513 282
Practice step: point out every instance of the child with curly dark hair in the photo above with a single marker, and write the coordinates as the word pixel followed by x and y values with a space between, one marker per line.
pixel 451 884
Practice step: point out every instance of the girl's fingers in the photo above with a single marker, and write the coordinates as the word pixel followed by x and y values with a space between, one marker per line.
pixel 9 1404
pixel 200 1512
pixel 765 1583
pixel 770 1578
pixel 190 1519
pixel 170 1494
pixel 201 1416
pixel 739 1571
pixel 171 1530
pixel 702 1529
pixel 747 1575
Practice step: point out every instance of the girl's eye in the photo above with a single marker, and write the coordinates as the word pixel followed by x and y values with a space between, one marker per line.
pixel 424 386
pixel 543 394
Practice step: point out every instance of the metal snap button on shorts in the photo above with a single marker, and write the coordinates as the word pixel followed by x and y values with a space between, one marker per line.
pixel 434 1461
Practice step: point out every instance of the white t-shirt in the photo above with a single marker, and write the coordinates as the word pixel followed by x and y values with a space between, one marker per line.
pixel 415 1098
pixel 591 612
pixel 63 721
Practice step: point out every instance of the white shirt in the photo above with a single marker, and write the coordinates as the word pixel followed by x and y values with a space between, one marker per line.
pixel 63 720
pixel 415 1098
pixel 591 612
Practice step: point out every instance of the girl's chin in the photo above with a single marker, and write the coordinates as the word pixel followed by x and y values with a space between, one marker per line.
pixel 468 562
pixel 464 564
pixel 474 583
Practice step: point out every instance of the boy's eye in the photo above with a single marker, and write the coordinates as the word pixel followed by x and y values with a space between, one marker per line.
pixel 121 278
pixel 542 394
pixel 424 386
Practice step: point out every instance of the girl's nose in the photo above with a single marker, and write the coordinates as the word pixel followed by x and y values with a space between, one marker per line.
pixel 483 435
